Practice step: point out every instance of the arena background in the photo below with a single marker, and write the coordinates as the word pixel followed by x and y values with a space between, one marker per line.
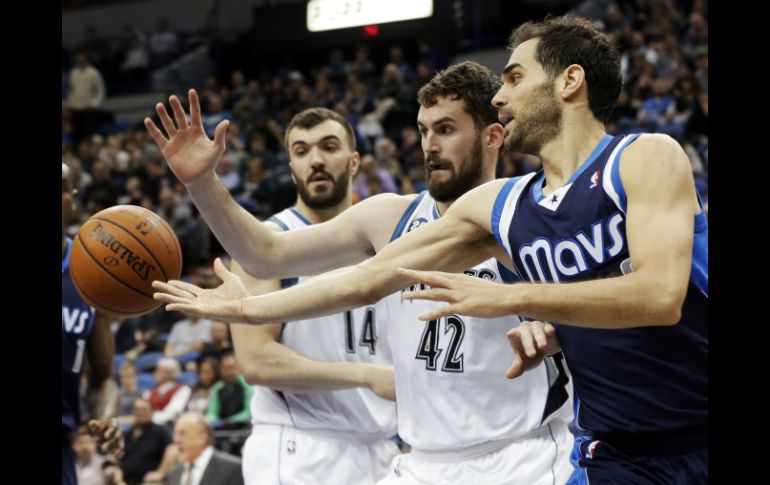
pixel 257 64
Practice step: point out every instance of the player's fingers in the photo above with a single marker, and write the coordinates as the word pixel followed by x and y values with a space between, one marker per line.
pixel 179 115
pixel 195 108
pixel 434 294
pixel 165 119
pixel 167 298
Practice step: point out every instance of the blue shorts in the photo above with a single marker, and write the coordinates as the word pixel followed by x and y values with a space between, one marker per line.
pixel 600 463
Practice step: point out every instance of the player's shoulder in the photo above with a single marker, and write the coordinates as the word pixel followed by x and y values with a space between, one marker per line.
pixel 653 153
pixel 381 207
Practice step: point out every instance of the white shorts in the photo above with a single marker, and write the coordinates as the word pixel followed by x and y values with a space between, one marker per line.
pixel 541 458
pixel 282 455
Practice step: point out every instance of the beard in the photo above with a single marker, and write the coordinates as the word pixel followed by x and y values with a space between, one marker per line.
pixel 325 198
pixel 537 123
pixel 459 182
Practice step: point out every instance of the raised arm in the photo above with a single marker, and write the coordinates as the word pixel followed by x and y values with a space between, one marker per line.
pixel 455 242
pixel 192 156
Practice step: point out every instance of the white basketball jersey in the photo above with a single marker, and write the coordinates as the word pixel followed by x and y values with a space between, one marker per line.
pixel 359 335
pixel 451 388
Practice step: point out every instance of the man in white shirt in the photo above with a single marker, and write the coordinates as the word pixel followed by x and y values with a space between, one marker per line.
pixel 169 397
pixel 201 464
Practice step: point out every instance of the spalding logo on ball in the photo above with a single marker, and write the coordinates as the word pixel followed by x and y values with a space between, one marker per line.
pixel 116 256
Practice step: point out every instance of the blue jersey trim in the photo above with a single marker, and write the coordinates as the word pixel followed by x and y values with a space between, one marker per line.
pixel 497 209
pixel 65 262
pixel 279 222
pixel 300 216
pixel 700 254
pixel 407 214
pixel 615 176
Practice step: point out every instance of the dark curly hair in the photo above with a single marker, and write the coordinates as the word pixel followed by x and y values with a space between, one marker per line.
pixel 467 81
pixel 312 117
pixel 566 40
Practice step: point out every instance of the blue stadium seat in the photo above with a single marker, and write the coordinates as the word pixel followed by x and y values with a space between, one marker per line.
pixel 147 361
pixel 188 378
pixel 145 381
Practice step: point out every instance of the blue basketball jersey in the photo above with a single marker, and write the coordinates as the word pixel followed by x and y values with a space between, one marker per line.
pixel 637 380
pixel 77 320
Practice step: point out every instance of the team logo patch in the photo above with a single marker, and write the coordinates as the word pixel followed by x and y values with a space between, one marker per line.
pixel 291 447
pixel 594 179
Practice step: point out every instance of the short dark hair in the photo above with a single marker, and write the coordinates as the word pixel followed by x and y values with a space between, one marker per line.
pixel 312 117
pixel 467 81
pixel 566 40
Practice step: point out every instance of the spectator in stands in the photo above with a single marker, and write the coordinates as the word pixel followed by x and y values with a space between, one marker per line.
pixel 208 375
pixel 129 391
pixel 188 335
pixel 230 397
pixel 214 114
pixel 370 169
pixel 228 173
pixel 169 397
pixel 88 463
pixel 220 342
pixel 386 155
pixel 145 443
pixel 200 462
pixel 163 43
pixel 85 86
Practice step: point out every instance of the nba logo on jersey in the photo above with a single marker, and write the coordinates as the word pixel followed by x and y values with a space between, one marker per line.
pixel 291 447
pixel 594 179
pixel 592 449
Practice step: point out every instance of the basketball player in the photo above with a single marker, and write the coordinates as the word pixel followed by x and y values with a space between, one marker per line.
pixel 85 334
pixel 463 420
pixel 615 221
pixel 322 409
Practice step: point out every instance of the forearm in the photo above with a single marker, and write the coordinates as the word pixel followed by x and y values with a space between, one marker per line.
pixel 281 368
pixel 104 400
pixel 369 281
pixel 622 302
pixel 244 238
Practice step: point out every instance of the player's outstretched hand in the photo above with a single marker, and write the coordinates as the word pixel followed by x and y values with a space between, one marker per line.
pixel 222 303
pixel 466 295
pixel 189 152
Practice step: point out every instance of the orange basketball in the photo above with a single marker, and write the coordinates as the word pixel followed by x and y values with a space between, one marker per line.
pixel 116 256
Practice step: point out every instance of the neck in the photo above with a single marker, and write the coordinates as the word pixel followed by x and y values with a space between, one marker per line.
pixel 562 156
pixel 317 216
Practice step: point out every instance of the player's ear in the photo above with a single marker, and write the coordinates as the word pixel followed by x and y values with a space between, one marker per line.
pixel 355 164
pixel 571 81
pixel 493 136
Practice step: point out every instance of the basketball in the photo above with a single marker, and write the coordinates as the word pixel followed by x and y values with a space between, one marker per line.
pixel 116 256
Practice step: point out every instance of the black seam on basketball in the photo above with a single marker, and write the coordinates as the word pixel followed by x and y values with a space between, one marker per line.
pixel 80 288
pixel 108 272
pixel 160 266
